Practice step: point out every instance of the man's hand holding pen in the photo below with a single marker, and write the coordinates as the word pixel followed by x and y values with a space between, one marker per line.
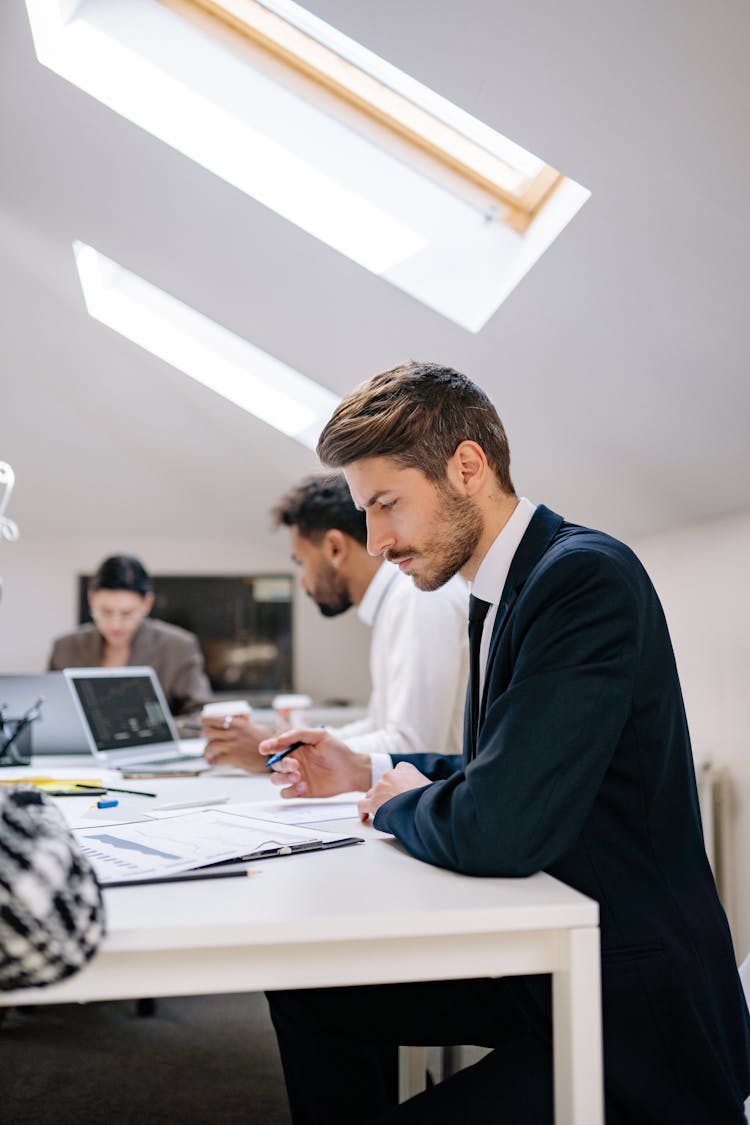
pixel 320 766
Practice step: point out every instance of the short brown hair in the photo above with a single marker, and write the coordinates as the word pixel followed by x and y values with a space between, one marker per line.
pixel 417 414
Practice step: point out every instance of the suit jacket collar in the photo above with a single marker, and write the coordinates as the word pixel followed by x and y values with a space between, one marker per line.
pixel 142 642
pixel 537 539
pixel 542 529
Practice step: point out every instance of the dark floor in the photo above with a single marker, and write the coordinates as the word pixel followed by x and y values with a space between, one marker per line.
pixel 201 1060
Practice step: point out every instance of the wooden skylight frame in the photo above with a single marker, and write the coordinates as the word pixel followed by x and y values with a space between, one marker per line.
pixel 521 196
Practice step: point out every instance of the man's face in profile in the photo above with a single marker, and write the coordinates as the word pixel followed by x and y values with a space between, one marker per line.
pixel 319 577
pixel 430 530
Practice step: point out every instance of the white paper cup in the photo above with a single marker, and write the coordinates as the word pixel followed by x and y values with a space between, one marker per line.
pixel 291 711
pixel 229 710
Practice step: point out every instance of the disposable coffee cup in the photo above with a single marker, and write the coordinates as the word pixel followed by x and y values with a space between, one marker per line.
pixel 291 711
pixel 229 710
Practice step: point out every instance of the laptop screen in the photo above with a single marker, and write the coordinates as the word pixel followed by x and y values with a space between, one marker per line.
pixel 122 711
pixel 59 729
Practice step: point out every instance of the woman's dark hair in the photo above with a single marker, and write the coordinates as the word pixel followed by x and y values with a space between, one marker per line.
pixel 121 572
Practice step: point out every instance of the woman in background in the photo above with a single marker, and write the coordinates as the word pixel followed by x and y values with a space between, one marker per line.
pixel 120 599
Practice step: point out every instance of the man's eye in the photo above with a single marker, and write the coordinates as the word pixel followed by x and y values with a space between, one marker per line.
pixel 387 507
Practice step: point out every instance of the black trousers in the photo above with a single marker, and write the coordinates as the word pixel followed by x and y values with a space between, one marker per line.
pixel 339 1050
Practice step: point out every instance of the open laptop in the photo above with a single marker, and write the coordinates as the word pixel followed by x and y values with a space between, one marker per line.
pixel 127 720
pixel 59 728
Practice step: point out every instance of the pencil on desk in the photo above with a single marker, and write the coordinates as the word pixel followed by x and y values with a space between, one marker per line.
pixel 90 792
pixel 162 773
pixel 202 803
pixel 112 789
pixel 185 877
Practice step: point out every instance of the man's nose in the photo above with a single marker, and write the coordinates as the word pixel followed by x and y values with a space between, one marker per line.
pixel 379 538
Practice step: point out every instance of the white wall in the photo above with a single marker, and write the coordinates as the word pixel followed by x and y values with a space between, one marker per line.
pixel 703 578
pixel 39 602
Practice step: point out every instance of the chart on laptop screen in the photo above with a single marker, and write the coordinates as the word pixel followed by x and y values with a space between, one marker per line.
pixel 122 711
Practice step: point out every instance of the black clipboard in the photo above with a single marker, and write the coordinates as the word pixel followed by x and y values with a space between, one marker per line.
pixel 234 868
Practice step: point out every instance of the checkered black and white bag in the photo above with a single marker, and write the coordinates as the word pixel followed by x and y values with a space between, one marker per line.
pixel 51 911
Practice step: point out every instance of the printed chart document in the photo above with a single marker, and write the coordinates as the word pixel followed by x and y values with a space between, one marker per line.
pixel 151 849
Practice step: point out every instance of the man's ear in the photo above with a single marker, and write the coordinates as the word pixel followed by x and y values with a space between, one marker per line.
pixel 467 469
pixel 335 547
pixel 148 602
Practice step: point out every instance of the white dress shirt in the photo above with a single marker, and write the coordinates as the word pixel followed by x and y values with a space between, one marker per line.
pixel 419 661
pixel 493 571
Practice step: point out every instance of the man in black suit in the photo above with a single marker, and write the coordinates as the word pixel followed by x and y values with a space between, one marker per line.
pixel 577 762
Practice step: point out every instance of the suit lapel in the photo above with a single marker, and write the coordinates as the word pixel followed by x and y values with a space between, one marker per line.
pixel 140 649
pixel 538 537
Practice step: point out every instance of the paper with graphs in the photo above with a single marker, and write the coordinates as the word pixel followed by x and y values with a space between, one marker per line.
pixel 151 848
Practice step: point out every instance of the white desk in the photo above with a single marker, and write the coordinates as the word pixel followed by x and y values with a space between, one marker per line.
pixel 359 915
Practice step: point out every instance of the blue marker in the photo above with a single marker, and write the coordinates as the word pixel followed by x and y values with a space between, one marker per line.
pixel 111 803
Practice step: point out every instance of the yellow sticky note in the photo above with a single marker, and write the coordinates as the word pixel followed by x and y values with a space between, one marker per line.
pixel 52 782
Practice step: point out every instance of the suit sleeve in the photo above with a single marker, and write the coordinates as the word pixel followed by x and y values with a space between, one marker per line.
pixel 434 766
pixel 55 663
pixel 189 687
pixel 550 731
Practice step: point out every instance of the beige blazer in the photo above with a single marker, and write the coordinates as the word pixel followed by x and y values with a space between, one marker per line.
pixel 173 653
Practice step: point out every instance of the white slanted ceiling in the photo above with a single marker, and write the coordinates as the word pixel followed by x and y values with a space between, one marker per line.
pixel 619 364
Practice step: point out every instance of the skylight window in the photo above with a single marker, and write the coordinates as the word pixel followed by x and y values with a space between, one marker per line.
pixel 320 130
pixel 387 95
pixel 199 347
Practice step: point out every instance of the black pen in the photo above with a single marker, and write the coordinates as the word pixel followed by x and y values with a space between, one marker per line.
pixel 292 849
pixel 271 762
pixel 111 789
pixel 283 753
pixel 33 711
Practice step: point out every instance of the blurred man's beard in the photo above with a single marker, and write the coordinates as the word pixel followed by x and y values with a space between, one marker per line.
pixel 451 540
pixel 331 594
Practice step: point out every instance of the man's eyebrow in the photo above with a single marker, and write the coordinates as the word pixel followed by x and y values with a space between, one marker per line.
pixel 373 499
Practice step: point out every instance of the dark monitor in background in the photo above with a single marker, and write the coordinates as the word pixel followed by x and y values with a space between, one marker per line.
pixel 243 624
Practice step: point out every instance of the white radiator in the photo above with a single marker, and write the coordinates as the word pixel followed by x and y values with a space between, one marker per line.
pixel 715 797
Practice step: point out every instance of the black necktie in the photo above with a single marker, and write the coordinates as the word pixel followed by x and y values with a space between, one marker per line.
pixel 477 613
